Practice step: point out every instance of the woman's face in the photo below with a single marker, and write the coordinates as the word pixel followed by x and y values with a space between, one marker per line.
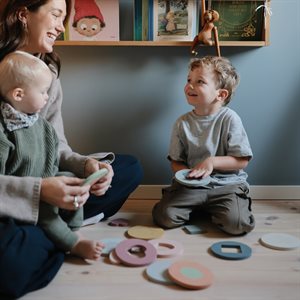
pixel 44 26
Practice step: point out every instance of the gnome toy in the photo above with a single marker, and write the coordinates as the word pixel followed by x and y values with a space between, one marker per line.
pixel 88 19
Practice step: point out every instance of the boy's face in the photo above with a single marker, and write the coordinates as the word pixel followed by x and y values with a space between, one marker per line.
pixel 201 90
pixel 36 95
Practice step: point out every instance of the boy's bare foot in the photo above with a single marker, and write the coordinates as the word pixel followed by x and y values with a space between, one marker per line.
pixel 87 249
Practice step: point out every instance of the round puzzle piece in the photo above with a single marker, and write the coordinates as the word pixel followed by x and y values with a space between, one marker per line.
pixel 167 248
pixel 147 250
pixel 110 244
pixel 280 241
pixel 113 258
pixel 231 250
pixel 190 274
pixel 158 272
pixel 181 177
pixel 145 232
pixel 118 222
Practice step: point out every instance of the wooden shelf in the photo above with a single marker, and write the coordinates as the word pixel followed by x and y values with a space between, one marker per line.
pixel 264 42
pixel 157 44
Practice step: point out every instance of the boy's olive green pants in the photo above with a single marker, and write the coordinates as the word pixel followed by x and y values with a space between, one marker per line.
pixel 229 206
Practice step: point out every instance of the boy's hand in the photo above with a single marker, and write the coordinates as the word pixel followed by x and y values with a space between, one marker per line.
pixel 203 169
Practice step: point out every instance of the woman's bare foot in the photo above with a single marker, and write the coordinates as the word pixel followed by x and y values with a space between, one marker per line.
pixel 87 249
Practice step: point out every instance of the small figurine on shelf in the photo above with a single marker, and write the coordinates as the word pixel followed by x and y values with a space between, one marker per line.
pixel 205 35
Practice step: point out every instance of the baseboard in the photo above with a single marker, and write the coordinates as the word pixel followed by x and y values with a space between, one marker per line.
pixel 263 192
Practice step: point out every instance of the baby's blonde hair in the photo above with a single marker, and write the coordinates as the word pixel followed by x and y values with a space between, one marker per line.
pixel 225 73
pixel 20 69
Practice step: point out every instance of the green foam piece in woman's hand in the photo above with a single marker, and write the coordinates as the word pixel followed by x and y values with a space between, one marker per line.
pixel 95 176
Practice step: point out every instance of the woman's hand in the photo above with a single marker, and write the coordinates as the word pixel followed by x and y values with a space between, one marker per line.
pixel 103 184
pixel 60 191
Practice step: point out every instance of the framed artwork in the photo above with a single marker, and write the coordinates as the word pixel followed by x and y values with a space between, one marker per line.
pixel 94 20
pixel 174 20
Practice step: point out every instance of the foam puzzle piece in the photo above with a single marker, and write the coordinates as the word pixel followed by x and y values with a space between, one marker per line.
pixel 167 248
pixel 158 272
pixel 243 251
pixel 113 258
pixel 119 222
pixel 194 229
pixel 110 244
pixel 190 274
pixel 181 177
pixel 123 252
pixel 95 176
pixel 280 241
pixel 145 232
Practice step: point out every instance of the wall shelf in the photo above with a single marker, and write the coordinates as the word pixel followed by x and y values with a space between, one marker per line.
pixel 265 39
pixel 157 44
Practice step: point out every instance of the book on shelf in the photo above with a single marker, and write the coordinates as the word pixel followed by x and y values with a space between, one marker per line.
pixel 175 20
pixel 142 20
pixel 137 20
pixel 93 20
pixel 150 21
pixel 165 20
pixel 240 20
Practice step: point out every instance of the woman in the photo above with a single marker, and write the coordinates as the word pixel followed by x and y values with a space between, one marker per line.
pixel 28 260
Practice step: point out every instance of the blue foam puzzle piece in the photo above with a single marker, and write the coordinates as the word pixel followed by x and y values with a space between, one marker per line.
pixel 243 253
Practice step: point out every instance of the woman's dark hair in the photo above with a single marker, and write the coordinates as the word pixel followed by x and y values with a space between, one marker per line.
pixel 12 31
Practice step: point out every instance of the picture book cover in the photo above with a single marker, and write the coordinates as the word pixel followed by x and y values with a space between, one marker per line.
pixel 174 20
pixel 240 20
pixel 94 20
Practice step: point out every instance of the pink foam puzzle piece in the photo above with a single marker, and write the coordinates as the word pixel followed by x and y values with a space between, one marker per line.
pixel 119 222
pixel 123 252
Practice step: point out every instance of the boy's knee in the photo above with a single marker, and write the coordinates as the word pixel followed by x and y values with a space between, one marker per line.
pixel 234 225
pixel 164 217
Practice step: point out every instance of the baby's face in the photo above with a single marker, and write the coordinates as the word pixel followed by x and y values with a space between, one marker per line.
pixel 36 96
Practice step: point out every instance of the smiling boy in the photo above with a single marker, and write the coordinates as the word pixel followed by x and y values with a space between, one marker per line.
pixel 209 141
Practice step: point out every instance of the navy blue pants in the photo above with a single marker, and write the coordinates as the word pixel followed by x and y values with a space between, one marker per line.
pixel 29 260
pixel 128 175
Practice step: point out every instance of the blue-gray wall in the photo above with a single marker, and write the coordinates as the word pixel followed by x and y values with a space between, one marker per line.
pixel 125 99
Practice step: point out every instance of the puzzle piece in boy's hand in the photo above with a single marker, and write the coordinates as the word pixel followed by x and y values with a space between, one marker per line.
pixel 119 222
pixel 181 176
pixel 194 229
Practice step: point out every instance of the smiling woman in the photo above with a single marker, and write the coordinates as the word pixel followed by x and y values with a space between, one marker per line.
pixel 50 18
pixel 28 259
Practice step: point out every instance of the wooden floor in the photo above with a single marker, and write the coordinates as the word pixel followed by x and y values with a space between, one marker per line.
pixel 267 274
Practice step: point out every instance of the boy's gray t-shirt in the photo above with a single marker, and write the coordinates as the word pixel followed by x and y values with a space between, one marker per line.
pixel 195 138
